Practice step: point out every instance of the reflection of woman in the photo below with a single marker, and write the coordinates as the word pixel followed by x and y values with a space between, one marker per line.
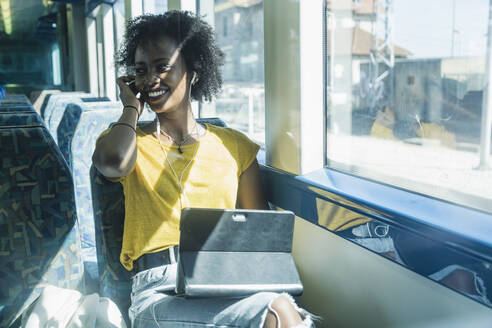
pixel 386 126
pixel 174 162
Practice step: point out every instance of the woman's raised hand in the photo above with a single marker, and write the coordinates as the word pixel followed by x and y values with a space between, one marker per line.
pixel 128 92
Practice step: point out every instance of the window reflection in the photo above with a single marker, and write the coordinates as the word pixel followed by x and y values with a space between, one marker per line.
pixel 405 100
pixel 435 260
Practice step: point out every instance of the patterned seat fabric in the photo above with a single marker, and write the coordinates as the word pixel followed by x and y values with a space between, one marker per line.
pixel 39 237
pixel 55 107
pixel 80 126
pixel 57 115
pixel 53 101
pixel 16 109
pixel 109 215
pixel 87 120
pixel 20 118
pixel 77 133
pixel 15 100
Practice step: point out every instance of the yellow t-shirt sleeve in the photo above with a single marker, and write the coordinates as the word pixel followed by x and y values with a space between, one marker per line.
pixel 246 151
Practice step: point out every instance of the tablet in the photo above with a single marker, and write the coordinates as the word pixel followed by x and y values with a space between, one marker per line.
pixel 233 253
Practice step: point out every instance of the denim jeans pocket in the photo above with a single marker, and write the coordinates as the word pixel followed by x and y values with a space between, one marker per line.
pixel 149 279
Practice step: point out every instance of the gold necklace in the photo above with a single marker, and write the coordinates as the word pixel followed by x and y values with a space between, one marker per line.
pixel 188 136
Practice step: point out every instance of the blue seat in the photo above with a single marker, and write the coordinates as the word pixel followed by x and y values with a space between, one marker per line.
pixel 80 126
pixel 109 214
pixel 77 133
pixel 39 237
pixel 16 109
pixel 57 114
pixel 15 100
pixel 55 104
pixel 53 100
pixel 20 118
pixel 52 121
pixel 78 116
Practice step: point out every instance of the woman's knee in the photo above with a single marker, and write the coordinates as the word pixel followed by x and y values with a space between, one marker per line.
pixel 282 304
pixel 283 310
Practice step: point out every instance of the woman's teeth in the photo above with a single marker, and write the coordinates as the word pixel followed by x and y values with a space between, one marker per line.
pixel 157 93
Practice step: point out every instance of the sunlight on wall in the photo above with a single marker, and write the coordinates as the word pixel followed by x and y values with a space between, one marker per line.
pixel 6 16
pixel 55 56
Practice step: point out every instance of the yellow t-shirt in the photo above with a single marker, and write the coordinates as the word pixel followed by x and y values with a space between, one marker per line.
pixel 153 200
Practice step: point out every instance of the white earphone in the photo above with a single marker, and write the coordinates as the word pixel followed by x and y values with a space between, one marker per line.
pixel 193 77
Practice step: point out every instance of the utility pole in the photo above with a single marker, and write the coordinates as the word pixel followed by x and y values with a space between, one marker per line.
pixel 453 28
pixel 382 52
pixel 486 128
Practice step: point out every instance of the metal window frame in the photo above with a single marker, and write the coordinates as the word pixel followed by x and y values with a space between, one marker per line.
pixel 294 101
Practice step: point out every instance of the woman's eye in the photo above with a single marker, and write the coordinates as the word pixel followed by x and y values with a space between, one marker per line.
pixel 140 71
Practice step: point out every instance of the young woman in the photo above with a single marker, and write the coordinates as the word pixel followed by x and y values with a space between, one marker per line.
pixel 174 162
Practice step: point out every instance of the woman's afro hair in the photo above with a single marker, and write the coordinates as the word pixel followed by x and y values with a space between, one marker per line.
pixel 198 47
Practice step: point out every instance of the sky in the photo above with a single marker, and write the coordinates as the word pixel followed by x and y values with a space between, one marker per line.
pixel 425 27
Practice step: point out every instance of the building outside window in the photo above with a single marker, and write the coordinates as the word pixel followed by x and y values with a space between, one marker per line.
pixel 239 30
pixel 405 88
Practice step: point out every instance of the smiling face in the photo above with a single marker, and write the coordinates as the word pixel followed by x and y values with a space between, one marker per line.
pixel 161 75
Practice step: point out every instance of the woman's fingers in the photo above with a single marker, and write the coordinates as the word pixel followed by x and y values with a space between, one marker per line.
pixel 121 84
pixel 123 81
pixel 133 87
pixel 128 91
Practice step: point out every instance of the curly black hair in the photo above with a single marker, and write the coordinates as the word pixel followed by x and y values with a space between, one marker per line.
pixel 196 38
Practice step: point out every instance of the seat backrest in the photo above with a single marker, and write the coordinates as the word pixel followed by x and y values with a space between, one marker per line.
pixel 79 128
pixel 38 97
pixel 54 120
pixel 39 237
pixel 83 122
pixel 86 120
pixel 77 133
pixel 52 101
pixel 16 109
pixel 20 118
pixel 16 100
pixel 109 215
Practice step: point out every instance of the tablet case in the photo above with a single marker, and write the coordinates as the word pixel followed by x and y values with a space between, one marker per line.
pixel 232 253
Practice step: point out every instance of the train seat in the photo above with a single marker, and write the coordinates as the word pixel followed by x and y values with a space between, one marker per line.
pixel 52 101
pixel 16 109
pixel 53 120
pixel 39 237
pixel 86 120
pixel 20 118
pixel 15 100
pixel 109 213
pixel 37 98
pixel 79 128
pixel 77 133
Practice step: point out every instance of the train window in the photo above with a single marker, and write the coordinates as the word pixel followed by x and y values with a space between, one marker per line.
pixel 119 21
pixel 27 66
pixel 405 95
pixel 154 6
pixel 239 29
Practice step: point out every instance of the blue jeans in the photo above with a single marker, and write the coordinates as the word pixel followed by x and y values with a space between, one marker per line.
pixel 154 304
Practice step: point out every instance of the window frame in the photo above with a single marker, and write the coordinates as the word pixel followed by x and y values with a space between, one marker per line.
pixel 412 214
pixel 292 170
pixel 417 187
